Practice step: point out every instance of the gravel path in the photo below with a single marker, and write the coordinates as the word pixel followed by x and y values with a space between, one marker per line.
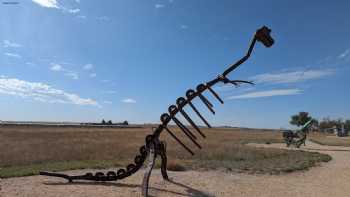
pixel 330 179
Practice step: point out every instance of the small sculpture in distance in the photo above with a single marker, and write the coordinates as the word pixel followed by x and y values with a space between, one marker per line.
pixel 298 137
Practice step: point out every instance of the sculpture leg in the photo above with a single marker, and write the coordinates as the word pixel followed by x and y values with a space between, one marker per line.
pixel 288 141
pixel 163 156
pixel 150 165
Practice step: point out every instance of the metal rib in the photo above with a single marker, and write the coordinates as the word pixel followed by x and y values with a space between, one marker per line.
pixel 215 95
pixel 204 99
pixel 187 132
pixel 179 141
pixel 207 103
pixel 184 128
pixel 197 112
pixel 187 117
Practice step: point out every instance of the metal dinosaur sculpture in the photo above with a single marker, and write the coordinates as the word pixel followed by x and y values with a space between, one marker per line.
pixel 154 147
pixel 297 137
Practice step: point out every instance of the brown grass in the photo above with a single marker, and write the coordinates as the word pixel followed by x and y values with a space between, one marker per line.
pixel 54 148
pixel 330 140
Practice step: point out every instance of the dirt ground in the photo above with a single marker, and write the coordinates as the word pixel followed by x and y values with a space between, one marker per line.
pixel 329 179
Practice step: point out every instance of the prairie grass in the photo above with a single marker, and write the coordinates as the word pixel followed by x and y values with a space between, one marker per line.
pixel 330 140
pixel 26 150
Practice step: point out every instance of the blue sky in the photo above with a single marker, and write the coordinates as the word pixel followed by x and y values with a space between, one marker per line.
pixel 79 60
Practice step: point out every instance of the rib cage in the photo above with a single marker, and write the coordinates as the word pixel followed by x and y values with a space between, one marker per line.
pixel 165 119
pixel 262 35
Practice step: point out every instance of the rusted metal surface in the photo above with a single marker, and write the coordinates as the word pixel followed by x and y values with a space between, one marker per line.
pixel 151 160
pixel 153 145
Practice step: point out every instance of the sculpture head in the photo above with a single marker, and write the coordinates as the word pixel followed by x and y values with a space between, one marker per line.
pixel 263 36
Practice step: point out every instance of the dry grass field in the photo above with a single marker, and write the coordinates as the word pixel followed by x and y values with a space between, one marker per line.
pixel 329 139
pixel 25 150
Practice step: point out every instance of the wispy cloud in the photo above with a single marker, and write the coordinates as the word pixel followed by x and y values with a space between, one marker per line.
pixel 93 75
pixel 268 93
pixel 345 54
pixel 41 92
pixel 56 67
pixel 159 6
pixel 47 3
pixel 72 75
pixel 73 11
pixel 59 68
pixel 14 55
pixel 7 43
pixel 107 102
pixel 56 5
pixel 292 77
pixel 183 26
pixel 88 66
pixel 81 16
pixel 103 18
pixel 30 64
pixel 129 100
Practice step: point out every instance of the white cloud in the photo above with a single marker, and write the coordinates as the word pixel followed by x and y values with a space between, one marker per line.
pixel 107 102
pixel 47 3
pixel 268 93
pixel 55 4
pixel 129 100
pixel 14 55
pixel 292 77
pixel 88 66
pixel 103 18
pixel 41 92
pixel 30 64
pixel 73 75
pixel 345 54
pixel 73 11
pixel 183 26
pixel 81 16
pixel 7 43
pixel 59 68
pixel 93 75
pixel 56 67
pixel 159 6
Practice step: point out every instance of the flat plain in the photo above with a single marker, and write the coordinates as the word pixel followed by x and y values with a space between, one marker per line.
pixel 26 150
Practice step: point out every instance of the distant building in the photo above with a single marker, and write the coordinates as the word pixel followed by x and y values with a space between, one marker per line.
pixel 340 132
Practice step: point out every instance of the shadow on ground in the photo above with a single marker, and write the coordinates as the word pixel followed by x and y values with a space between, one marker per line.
pixel 191 192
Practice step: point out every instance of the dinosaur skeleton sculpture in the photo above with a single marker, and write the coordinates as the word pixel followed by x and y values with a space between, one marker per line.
pixel 154 146
pixel 297 137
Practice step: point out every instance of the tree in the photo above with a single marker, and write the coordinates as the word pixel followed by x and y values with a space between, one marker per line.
pixel 300 119
pixel 125 123
pixel 103 122
pixel 328 124
pixel 110 122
